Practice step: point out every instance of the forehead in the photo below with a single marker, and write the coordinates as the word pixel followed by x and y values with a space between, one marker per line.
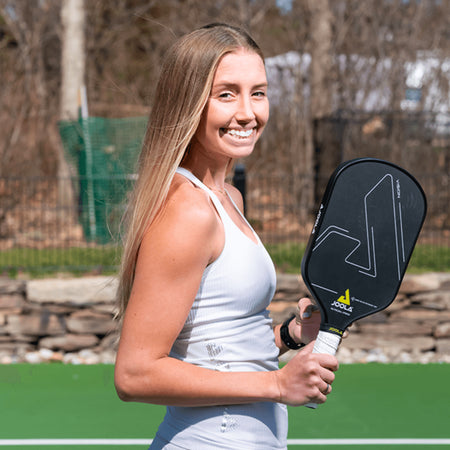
pixel 241 64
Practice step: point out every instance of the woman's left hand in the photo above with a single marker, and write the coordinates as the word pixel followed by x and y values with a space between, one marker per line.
pixel 306 325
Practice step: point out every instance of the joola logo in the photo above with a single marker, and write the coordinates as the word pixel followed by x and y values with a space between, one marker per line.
pixel 343 302
pixel 345 299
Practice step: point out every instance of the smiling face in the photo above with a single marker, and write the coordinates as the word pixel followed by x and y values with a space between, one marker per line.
pixel 237 109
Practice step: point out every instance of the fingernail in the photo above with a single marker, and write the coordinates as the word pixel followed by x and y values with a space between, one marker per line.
pixel 308 312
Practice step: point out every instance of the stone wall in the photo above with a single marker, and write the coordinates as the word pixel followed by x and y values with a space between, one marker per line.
pixel 71 320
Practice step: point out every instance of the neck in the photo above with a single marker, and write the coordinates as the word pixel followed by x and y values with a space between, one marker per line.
pixel 212 176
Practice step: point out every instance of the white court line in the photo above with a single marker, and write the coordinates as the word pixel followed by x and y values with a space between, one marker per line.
pixel 118 442
pixel 63 442
pixel 368 441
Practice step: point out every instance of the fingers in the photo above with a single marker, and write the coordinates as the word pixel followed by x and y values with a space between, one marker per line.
pixel 346 332
pixel 307 377
pixel 305 309
pixel 307 321
pixel 324 388
pixel 327 389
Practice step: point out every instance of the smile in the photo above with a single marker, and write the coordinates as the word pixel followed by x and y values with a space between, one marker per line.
pixel 239 133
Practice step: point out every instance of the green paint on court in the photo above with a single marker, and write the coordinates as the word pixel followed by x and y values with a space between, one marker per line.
pixel 380 401
pixel 368 401
pixel 65 401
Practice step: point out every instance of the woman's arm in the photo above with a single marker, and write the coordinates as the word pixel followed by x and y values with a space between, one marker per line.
pixel 186 237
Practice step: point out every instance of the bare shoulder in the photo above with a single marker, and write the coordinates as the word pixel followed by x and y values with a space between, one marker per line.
pixel 187 225
pixel 188 204
pixel 236 195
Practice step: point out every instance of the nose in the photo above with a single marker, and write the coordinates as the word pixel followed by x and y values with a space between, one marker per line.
pixel 245 112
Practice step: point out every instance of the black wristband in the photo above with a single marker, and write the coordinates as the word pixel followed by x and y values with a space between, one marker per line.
pixel 286 337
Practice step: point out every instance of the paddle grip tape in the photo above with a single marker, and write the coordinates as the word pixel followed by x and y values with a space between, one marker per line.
pixel 325 343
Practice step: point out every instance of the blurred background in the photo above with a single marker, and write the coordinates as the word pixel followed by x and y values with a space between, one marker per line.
pixel 348 78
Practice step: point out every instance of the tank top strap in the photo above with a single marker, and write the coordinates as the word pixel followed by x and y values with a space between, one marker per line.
pixel 191 177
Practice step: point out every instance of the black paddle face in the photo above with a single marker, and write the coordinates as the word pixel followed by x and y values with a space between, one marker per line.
pixel 365 232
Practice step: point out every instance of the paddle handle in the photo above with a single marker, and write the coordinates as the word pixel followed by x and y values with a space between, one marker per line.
pixel 325 343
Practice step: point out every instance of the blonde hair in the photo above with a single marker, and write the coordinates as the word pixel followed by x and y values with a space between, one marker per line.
pixel 182 92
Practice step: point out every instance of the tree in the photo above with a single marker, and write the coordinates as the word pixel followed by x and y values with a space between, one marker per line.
pixel 73 57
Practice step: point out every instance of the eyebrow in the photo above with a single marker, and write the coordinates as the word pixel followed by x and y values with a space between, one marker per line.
pixel 235 86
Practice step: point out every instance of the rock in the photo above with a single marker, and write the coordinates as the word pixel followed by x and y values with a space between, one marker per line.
pixel 279 315
pixel 75 291
pixel 7 359
pixel 83 357
pixel 110 341
pixel 17 338
pixel 50 308
pixel 105 308
pixel 15 348
pixel 371 341
pixel 9 287
pixel 12 301
pixel 33 358
pixel 72 358
pixel 405 357
pixel 445 281
pixel 442 330
pixel 401 328
pixel 379 317
pixel 289 282
pixel 419 315
pixel 412 284
pixel 69 342
pixel 344 355
pixel 107 357
pixel 86 321
pixel 89 357
pixel 400 302
pixel 281 306
pixel 71 320
pixel 376 355
pixel 443 346
pixel 437 300
pixel 35 325
pixel 43 355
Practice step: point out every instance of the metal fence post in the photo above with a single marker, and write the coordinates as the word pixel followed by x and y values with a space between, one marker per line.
pixel 239 180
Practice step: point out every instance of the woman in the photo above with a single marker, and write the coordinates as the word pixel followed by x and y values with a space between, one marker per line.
pixel 196 280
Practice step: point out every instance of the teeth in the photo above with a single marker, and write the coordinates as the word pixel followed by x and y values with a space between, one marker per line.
pixel 240 133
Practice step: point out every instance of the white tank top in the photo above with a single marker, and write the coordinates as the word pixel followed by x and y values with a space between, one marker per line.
pixel 229 329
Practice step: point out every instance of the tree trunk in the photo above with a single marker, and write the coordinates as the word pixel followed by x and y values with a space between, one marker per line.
pixel 321 58
pixel 73 57
pixel 72 79
pixel 321 94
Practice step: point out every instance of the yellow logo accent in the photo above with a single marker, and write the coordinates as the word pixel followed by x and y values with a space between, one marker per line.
pixel 335 330
pixel 345 299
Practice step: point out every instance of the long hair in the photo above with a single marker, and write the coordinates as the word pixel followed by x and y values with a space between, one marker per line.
pixel 183 89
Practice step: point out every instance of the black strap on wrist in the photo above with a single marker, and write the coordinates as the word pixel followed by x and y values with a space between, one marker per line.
pixel 286 337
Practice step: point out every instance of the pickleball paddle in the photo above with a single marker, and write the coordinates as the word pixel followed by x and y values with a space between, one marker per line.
pixel 365 232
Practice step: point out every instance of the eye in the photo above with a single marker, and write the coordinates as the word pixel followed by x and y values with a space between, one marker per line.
pixel 225 95
pixel 259 94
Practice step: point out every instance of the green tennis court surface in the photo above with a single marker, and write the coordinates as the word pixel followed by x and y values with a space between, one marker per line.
pixel 75 407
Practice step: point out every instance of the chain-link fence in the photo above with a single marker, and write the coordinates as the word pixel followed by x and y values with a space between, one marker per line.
pixel 39 231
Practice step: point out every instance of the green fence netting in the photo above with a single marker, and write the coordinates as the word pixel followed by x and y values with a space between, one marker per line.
pixel 102 154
